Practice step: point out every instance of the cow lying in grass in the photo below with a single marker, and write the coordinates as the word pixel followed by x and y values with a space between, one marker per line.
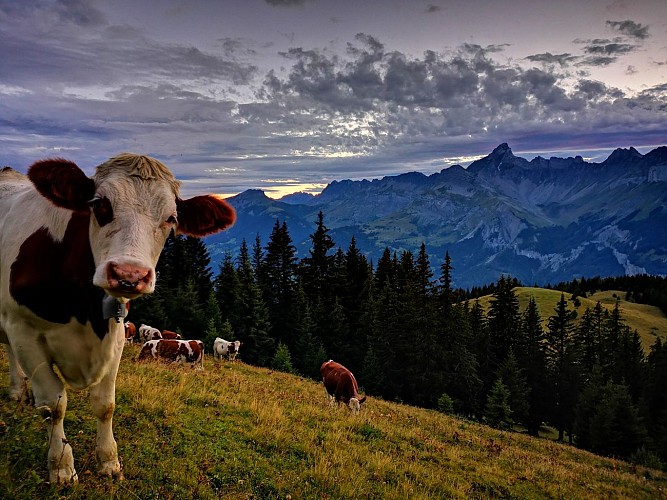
pixel 174 351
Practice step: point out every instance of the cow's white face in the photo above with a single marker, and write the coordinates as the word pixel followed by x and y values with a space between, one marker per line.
pixel 132 204
pixel 130 222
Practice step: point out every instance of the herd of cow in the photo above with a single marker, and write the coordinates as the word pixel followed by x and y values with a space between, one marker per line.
pixel 169 346
pixel 339 382
pixel 74 250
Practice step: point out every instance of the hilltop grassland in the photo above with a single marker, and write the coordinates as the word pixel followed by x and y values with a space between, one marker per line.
pixel 649 321
pixel 237 431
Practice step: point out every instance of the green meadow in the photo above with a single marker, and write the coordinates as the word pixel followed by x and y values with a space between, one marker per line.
pixel 237 431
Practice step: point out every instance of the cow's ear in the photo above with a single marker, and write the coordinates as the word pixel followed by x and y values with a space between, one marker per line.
pixel 203 215
pixel 63 183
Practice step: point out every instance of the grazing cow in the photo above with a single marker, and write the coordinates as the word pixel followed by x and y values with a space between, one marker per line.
pixel 223 347
pixel 73 251
pixel 147 333
pixel 174 350
pixel 130 332
pixel 168 334
pixel 341 385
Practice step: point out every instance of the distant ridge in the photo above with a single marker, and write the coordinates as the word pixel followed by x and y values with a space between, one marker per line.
pixel 541 221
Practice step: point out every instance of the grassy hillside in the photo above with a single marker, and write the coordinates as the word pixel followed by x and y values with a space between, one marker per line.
pixel 236 431
pixel 649 321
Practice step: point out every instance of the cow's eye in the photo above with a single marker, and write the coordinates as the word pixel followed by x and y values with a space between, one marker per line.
pixel 102 210
pixel 172 219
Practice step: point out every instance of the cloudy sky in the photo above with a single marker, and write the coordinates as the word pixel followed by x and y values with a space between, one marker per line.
pixel 288 95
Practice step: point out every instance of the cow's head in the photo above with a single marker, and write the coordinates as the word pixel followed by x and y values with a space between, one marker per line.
pixel 355 404
pixel 134 204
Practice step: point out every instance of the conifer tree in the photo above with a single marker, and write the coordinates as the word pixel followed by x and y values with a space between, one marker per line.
pixel 315 269
pixel 215 322
pixel 481 348
pixel 186 314
pixel 309 353
pixel 655 397
pixel 279 283
pixel 498 411
pixel 616 427
pixel 587 406
pixel 385 271
pixel 587 336
pixel 197 262
pixel 515 382
pixel 227 291
pixel 382 340
pixel 531 359
pixel 282 361
pixel 458 364
pixel 353 298
pixel 446 292
pixel 503 320
pixel 254 325
pixel 562 354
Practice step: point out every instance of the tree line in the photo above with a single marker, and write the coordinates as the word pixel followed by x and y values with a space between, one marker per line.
pixel 410 336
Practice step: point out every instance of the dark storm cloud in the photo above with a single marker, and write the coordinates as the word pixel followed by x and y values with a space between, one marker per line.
pixel 562 60
pixel 397 106
pixel 597 61
pixel 630 28
pixel 609 48
pixel 318 115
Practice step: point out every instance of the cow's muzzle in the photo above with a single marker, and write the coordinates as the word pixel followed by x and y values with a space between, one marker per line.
pixel 128 280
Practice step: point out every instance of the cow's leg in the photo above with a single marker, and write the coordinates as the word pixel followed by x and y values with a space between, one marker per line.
pixel 103 402
pixel 330 398
pixel 51 401
pixel 18 387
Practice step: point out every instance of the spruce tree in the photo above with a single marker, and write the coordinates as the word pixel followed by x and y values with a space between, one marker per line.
pixel 254 325
pixel 227 291
pixel 498 411
pixel 353 298
pixel 655 397
pixel 481 348
pixel 532 360
pixel 282 361
pixel 616 427
pixel 515 382
pixel 503 320
pixel 562 354
pixel 587 407
pixel 316 268
pixel 279 283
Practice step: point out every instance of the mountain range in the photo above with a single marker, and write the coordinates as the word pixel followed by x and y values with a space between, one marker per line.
pixel 541 221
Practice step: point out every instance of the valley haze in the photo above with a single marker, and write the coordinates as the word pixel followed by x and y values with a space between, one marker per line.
pixel 542 221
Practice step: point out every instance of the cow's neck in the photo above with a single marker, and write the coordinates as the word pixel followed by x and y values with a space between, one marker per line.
pixel 113 308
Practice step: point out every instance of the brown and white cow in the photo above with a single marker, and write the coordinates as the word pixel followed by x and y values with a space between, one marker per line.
pixel 147 332
pixel 130 332
pixel 222 347
pixel 175 351
pixel 73 251
pixel 168 334
pixel 341 385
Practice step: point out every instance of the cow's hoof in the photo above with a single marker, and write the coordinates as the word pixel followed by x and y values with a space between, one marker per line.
pixel 65 475
pixel 112 469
